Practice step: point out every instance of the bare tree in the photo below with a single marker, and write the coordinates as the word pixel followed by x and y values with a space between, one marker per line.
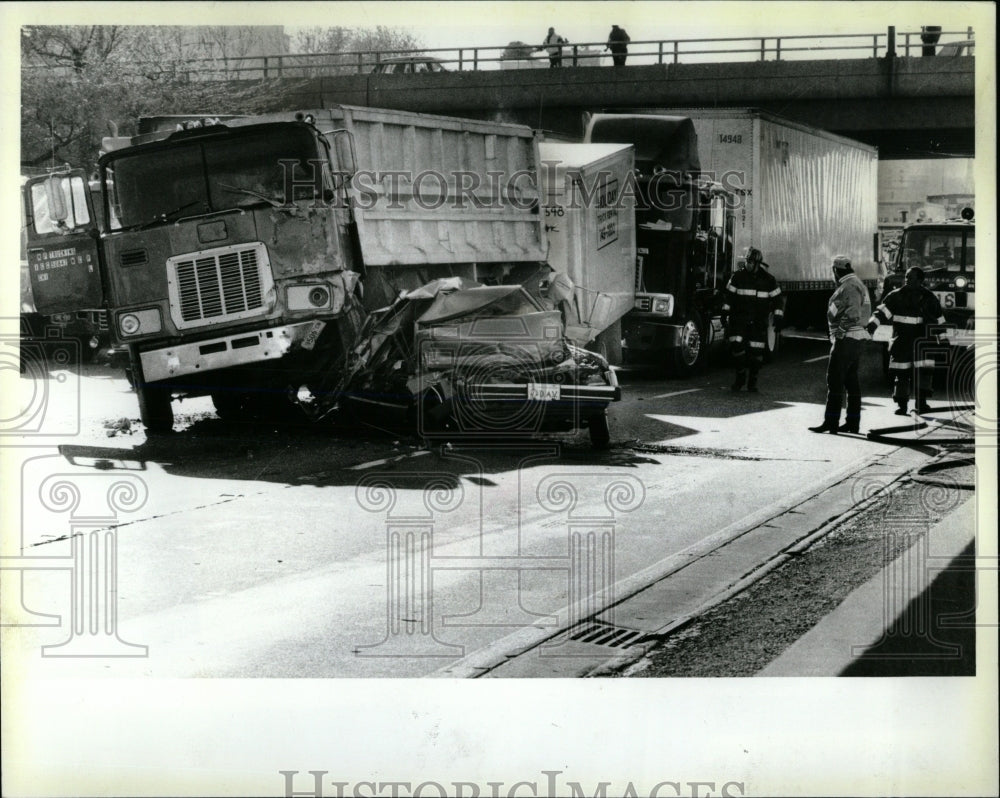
pixel 346 50
pixel 75 79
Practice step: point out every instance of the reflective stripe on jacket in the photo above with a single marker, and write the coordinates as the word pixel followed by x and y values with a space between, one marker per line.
pixel 752 295
pixel 911 310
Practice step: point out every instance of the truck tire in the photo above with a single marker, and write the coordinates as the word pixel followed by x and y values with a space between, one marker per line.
pixel 155 409
pixel 600 431
pixel 689 356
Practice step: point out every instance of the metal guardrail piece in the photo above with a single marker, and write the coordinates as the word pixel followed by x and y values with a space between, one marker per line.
pixel 641 53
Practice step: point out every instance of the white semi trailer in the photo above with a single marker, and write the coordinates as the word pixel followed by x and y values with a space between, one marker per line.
pixel 804 195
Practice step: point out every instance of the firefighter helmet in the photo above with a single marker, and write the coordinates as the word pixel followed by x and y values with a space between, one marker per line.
pixel 753 256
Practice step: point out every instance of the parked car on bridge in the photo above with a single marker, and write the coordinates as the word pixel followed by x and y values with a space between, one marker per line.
pixel 408 65
pixel 966 47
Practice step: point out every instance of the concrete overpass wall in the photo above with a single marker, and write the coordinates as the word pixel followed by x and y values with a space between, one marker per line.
pixel 908 107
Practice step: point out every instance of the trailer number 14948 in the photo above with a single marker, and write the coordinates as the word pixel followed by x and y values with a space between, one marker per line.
pixel 730 138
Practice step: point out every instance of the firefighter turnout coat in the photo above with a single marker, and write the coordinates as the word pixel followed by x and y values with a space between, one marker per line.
pixel 750 297
pixel 911 310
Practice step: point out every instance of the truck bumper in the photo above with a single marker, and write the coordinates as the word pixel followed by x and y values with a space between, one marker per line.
pixel 650 335
pixel 219 353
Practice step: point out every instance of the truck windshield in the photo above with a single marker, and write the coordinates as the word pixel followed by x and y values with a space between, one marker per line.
pixel 207 175
pixel 938 249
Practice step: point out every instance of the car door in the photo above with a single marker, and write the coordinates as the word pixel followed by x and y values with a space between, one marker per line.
pixel 62 243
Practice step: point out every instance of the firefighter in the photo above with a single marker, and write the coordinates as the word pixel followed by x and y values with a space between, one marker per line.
pixel 847 312
pixel 910 309
pixel 751 295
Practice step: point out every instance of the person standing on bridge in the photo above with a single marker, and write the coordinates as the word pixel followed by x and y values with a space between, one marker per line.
pixel 846 316
pixel 618 45
pixel 553 43
pixel 911 309
pixel 752 295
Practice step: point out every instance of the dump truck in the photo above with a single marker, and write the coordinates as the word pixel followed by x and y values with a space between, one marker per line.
pixel 241 258
pixel 684 229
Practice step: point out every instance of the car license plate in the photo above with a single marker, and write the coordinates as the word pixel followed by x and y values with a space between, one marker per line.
pixel 542 393
pixel 313 335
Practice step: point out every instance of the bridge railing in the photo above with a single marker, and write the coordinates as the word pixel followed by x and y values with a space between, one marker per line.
pixel 519 55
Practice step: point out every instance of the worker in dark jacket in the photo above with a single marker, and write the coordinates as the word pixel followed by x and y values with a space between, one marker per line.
pixel 752 294
pixel 618 41
pixel 911 310
pixel 846 316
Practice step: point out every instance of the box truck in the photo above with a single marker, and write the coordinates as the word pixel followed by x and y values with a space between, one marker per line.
pixel 590 227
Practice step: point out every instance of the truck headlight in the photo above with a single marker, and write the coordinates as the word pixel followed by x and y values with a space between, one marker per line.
pixel 129 324
pixel 664 305
pixel 308 297
pixel 140 322
pixel 319 296
pixel 961 282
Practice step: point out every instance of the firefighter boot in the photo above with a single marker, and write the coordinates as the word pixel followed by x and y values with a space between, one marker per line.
pixel 752 383
pixel 922 406
pixel 901 409
pixel 741 377
pixel 852 421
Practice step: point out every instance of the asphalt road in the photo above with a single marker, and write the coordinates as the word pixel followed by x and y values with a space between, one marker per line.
pixel 259 552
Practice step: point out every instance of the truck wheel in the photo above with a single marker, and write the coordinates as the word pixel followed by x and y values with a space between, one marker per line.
pixel 155 409
pixel 689 355
pixel 600 431
pixel 228 405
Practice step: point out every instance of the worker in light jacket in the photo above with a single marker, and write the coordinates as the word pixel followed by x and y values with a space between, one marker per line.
pixel 912 311
pixel 847 313
pixel 751 296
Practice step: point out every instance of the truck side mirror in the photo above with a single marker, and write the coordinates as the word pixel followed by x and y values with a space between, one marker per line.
pixel 55 199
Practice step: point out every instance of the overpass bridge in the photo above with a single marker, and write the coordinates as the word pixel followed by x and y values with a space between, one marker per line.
pixel 875 88
pixel 908 107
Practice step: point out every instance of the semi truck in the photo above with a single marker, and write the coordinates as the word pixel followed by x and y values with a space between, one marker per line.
pixel 805 195
pixel 240 258
pixel 684 229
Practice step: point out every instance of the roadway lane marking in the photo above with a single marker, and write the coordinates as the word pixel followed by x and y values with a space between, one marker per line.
pixel 386 460
pixel 814 359
pixel 675 393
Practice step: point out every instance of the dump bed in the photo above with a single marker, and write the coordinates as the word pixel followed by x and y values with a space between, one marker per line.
pixel 431 189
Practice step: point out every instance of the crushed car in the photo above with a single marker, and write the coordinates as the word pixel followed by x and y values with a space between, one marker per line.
pixel 458 359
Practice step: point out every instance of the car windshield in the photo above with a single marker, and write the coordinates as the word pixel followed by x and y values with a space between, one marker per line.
pixel 938 249
pixel 209 174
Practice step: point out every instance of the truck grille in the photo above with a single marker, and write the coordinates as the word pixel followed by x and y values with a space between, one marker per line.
pixel 216 285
